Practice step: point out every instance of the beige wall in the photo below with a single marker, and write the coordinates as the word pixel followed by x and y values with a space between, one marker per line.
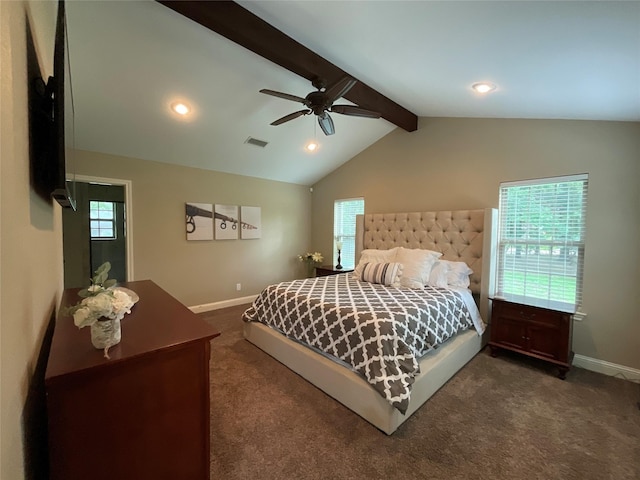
pixel 30 239
pixel 451 163
pixel 447 163
pixel 201 272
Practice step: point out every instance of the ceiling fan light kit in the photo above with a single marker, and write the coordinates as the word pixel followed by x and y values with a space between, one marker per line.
pixel 320 103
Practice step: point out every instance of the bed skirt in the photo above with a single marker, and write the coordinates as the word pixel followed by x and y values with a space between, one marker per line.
pixel 436 368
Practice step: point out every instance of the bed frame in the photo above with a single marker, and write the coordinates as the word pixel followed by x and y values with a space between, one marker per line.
pixel 461 235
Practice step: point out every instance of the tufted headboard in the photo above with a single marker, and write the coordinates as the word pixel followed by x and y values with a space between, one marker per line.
pixel 460 235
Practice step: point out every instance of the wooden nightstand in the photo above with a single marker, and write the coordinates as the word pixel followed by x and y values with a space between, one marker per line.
pixel 325 270
pixel 534 331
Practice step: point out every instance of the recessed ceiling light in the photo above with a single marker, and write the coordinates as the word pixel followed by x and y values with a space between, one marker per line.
pixel 180 108
pixel 311 146
pixel 483 87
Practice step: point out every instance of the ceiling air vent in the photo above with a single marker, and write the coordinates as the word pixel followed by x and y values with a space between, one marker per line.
pixel 256 142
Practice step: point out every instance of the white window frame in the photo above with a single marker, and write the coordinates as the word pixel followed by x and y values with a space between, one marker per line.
pixel 111 220
pixel 344 230
pixel 541 249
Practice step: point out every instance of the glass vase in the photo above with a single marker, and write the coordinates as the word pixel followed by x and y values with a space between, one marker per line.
pixel 311 269
pixel 105 334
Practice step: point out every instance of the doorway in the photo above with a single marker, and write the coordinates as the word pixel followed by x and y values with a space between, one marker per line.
pixel 98 231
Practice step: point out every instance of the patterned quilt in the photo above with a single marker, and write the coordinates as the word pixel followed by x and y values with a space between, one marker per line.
pixel 380 331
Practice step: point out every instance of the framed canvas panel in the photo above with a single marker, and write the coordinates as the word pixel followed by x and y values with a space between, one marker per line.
pixel 199 221
pixel 250 222
pixel 226 222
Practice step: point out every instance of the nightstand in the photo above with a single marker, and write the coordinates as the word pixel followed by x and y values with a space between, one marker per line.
pixel 534 331
pixel 325 270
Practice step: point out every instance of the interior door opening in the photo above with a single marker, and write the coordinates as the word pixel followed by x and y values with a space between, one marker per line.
pixel 97 232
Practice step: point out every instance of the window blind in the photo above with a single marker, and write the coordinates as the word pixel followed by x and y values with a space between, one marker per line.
pixel 344 229
pixel 541 241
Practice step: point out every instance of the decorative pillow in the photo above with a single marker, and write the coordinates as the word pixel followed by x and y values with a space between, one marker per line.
pixel 417 264
pixel 372 255
pixel 438 275
pixel 383 273
pixel 458 274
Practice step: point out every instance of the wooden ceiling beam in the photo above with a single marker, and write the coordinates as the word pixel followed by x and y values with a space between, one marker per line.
pixel 239 25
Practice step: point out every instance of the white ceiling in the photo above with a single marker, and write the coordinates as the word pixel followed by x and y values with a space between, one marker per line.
pixel 130 60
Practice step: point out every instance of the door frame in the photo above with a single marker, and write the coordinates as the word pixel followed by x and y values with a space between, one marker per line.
pixel 128 208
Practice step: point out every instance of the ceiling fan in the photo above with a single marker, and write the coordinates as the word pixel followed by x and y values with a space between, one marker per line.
pixel 321 103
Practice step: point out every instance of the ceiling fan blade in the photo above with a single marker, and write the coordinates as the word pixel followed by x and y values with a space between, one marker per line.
pixel 286 96
pixel 354 111
pixel 291 116
pixel 326 124
pixel 338 89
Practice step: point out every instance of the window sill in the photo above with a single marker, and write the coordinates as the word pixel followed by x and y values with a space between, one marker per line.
pixel 579 316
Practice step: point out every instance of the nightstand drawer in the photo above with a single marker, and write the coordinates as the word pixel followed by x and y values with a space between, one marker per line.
pixel 528 313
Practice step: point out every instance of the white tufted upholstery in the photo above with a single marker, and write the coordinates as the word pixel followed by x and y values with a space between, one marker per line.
pixel 458 235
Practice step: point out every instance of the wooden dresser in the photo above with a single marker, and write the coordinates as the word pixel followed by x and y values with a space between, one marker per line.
pixel 142 414
pixel 534 331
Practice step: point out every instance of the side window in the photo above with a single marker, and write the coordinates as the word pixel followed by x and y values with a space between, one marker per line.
pixel 344 229
pixel 541 241
pixel 102 220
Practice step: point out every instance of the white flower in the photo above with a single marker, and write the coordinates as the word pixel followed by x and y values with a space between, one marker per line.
pixel 121 304
pixel 101 299
pixel 83 317
pixel 101 304
pixel 111 303
pixel 315 257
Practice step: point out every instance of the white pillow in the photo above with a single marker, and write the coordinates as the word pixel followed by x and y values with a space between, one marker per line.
pixel 438 275
pixel 417 264
pixel 384 273
pixel 458 274
pixel 372 255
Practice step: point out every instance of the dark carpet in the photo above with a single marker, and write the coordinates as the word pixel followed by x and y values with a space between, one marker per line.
pixel 499 418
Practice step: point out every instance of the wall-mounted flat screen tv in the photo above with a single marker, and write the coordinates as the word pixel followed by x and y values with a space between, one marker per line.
pixel 51 120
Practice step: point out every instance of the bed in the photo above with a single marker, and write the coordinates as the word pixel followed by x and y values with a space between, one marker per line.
pixel 459 236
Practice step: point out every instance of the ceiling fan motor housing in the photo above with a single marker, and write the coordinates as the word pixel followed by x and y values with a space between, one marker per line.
pixel 318 102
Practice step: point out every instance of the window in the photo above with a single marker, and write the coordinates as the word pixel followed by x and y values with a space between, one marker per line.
pixel 344 229
pixel 102 220
pixel 541 241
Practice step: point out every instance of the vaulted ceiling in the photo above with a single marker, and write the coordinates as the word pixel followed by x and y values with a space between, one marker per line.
pixel 131 60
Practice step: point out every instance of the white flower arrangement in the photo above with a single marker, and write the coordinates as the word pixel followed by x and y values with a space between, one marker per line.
pixel 102 299
pixel 315 257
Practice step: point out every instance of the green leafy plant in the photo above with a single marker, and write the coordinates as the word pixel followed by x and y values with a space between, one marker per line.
pixel 102 299
pixel 99 282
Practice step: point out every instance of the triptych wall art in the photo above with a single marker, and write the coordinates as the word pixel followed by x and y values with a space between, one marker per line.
pixel 228 222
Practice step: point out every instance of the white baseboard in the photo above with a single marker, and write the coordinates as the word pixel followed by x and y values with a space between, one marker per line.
pixel 207 307
pixel 607 368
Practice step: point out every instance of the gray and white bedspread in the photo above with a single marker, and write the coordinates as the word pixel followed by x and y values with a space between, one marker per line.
pixel 380 331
